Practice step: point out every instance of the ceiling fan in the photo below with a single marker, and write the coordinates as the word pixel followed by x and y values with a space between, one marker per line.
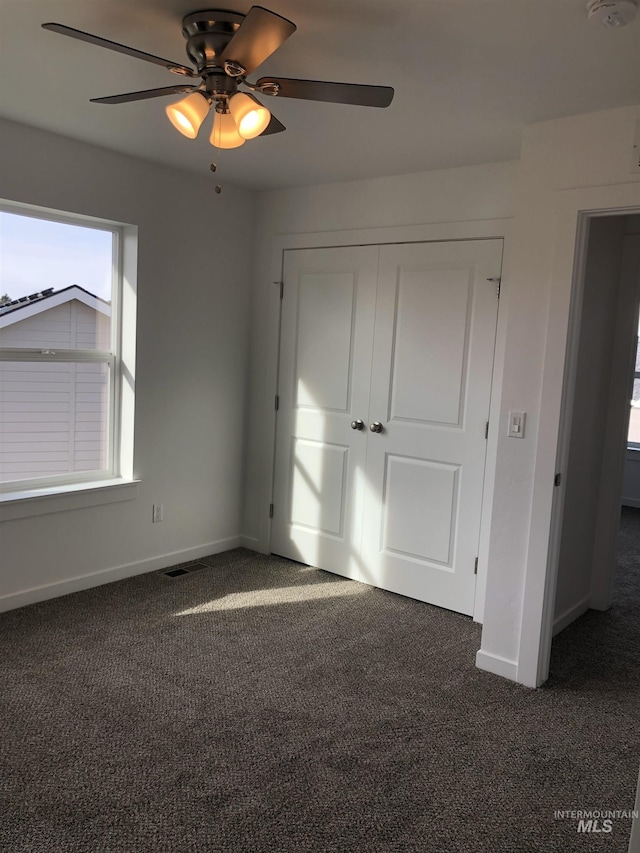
pixel 225 47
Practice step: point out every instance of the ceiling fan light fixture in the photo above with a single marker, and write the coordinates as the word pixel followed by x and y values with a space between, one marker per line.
pixel 224 133
pixel 250 116
pixel 188 114
pixel 224 47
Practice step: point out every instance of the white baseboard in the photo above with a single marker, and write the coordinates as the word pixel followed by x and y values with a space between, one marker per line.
pixel 570 614
pixel 497 665
pixel 129 570
pixel 630 502
pixel 252 543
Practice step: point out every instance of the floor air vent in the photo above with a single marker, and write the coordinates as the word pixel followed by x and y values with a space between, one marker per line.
pixel 175 573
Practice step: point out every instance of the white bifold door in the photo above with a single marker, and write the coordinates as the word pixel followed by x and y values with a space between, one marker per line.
pixel 386 360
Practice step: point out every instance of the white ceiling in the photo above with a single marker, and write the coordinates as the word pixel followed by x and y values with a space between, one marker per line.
pixel 467 74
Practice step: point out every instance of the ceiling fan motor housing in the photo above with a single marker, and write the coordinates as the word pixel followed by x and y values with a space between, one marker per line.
pixel 207 34
pixel 612 13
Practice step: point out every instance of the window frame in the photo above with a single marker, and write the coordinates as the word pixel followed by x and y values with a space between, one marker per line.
pixel 111 358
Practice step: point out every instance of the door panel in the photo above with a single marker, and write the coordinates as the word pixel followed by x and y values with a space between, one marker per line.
pixel 419 498
pixel 318 473
pixel 430 331
pixel 325 365
pixel 324 335
pixel 430 387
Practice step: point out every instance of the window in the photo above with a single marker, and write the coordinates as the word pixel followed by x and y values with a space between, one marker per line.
pixel 633 437
pixel 60 364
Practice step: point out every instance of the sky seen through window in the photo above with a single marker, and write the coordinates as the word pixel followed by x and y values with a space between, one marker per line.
pixel 36 254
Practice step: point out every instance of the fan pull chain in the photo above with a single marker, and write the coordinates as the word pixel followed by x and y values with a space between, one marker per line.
pixel 213 168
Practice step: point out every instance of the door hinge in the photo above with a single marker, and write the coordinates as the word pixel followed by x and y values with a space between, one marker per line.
pixel 281 286
pixel 557 480
pixel 475 568
pixel 277 406
pixel 497 281
pixel 486 430
pixel 270 510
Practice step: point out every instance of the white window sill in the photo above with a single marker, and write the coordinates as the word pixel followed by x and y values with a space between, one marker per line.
pixel 43 501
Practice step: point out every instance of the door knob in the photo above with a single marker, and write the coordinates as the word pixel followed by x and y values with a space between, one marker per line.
pixel 357 424
pixel 376 426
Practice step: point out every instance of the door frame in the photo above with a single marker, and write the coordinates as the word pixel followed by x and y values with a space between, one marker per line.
pixel 490 229
pixel 575 208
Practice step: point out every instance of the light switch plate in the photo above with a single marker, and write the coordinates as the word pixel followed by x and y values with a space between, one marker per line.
pixel 516 424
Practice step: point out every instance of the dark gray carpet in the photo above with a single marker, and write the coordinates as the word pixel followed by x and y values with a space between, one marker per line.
pixel 257 705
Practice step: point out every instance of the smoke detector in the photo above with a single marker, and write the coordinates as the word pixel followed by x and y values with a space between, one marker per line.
pixel 612 13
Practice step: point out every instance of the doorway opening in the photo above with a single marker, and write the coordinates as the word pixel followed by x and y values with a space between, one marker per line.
pixel 598 574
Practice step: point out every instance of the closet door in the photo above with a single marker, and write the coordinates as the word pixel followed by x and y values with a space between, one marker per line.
pixel 430 392
pixel 325 367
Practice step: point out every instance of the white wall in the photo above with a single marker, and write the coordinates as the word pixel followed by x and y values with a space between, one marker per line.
pixel 567 166
pixel 193 303
pixel 472 195
pixel 598 322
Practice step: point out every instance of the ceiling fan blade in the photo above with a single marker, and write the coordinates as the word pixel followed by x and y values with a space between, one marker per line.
pixel 258 36
pixel 334 93
pixel 146 93
pixel 274 126
pixel 121 48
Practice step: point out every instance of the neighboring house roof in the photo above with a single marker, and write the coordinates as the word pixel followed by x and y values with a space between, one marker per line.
pixel 24 300
pixel 28 306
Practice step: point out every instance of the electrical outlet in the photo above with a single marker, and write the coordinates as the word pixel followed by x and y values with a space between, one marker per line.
pixel 157 513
